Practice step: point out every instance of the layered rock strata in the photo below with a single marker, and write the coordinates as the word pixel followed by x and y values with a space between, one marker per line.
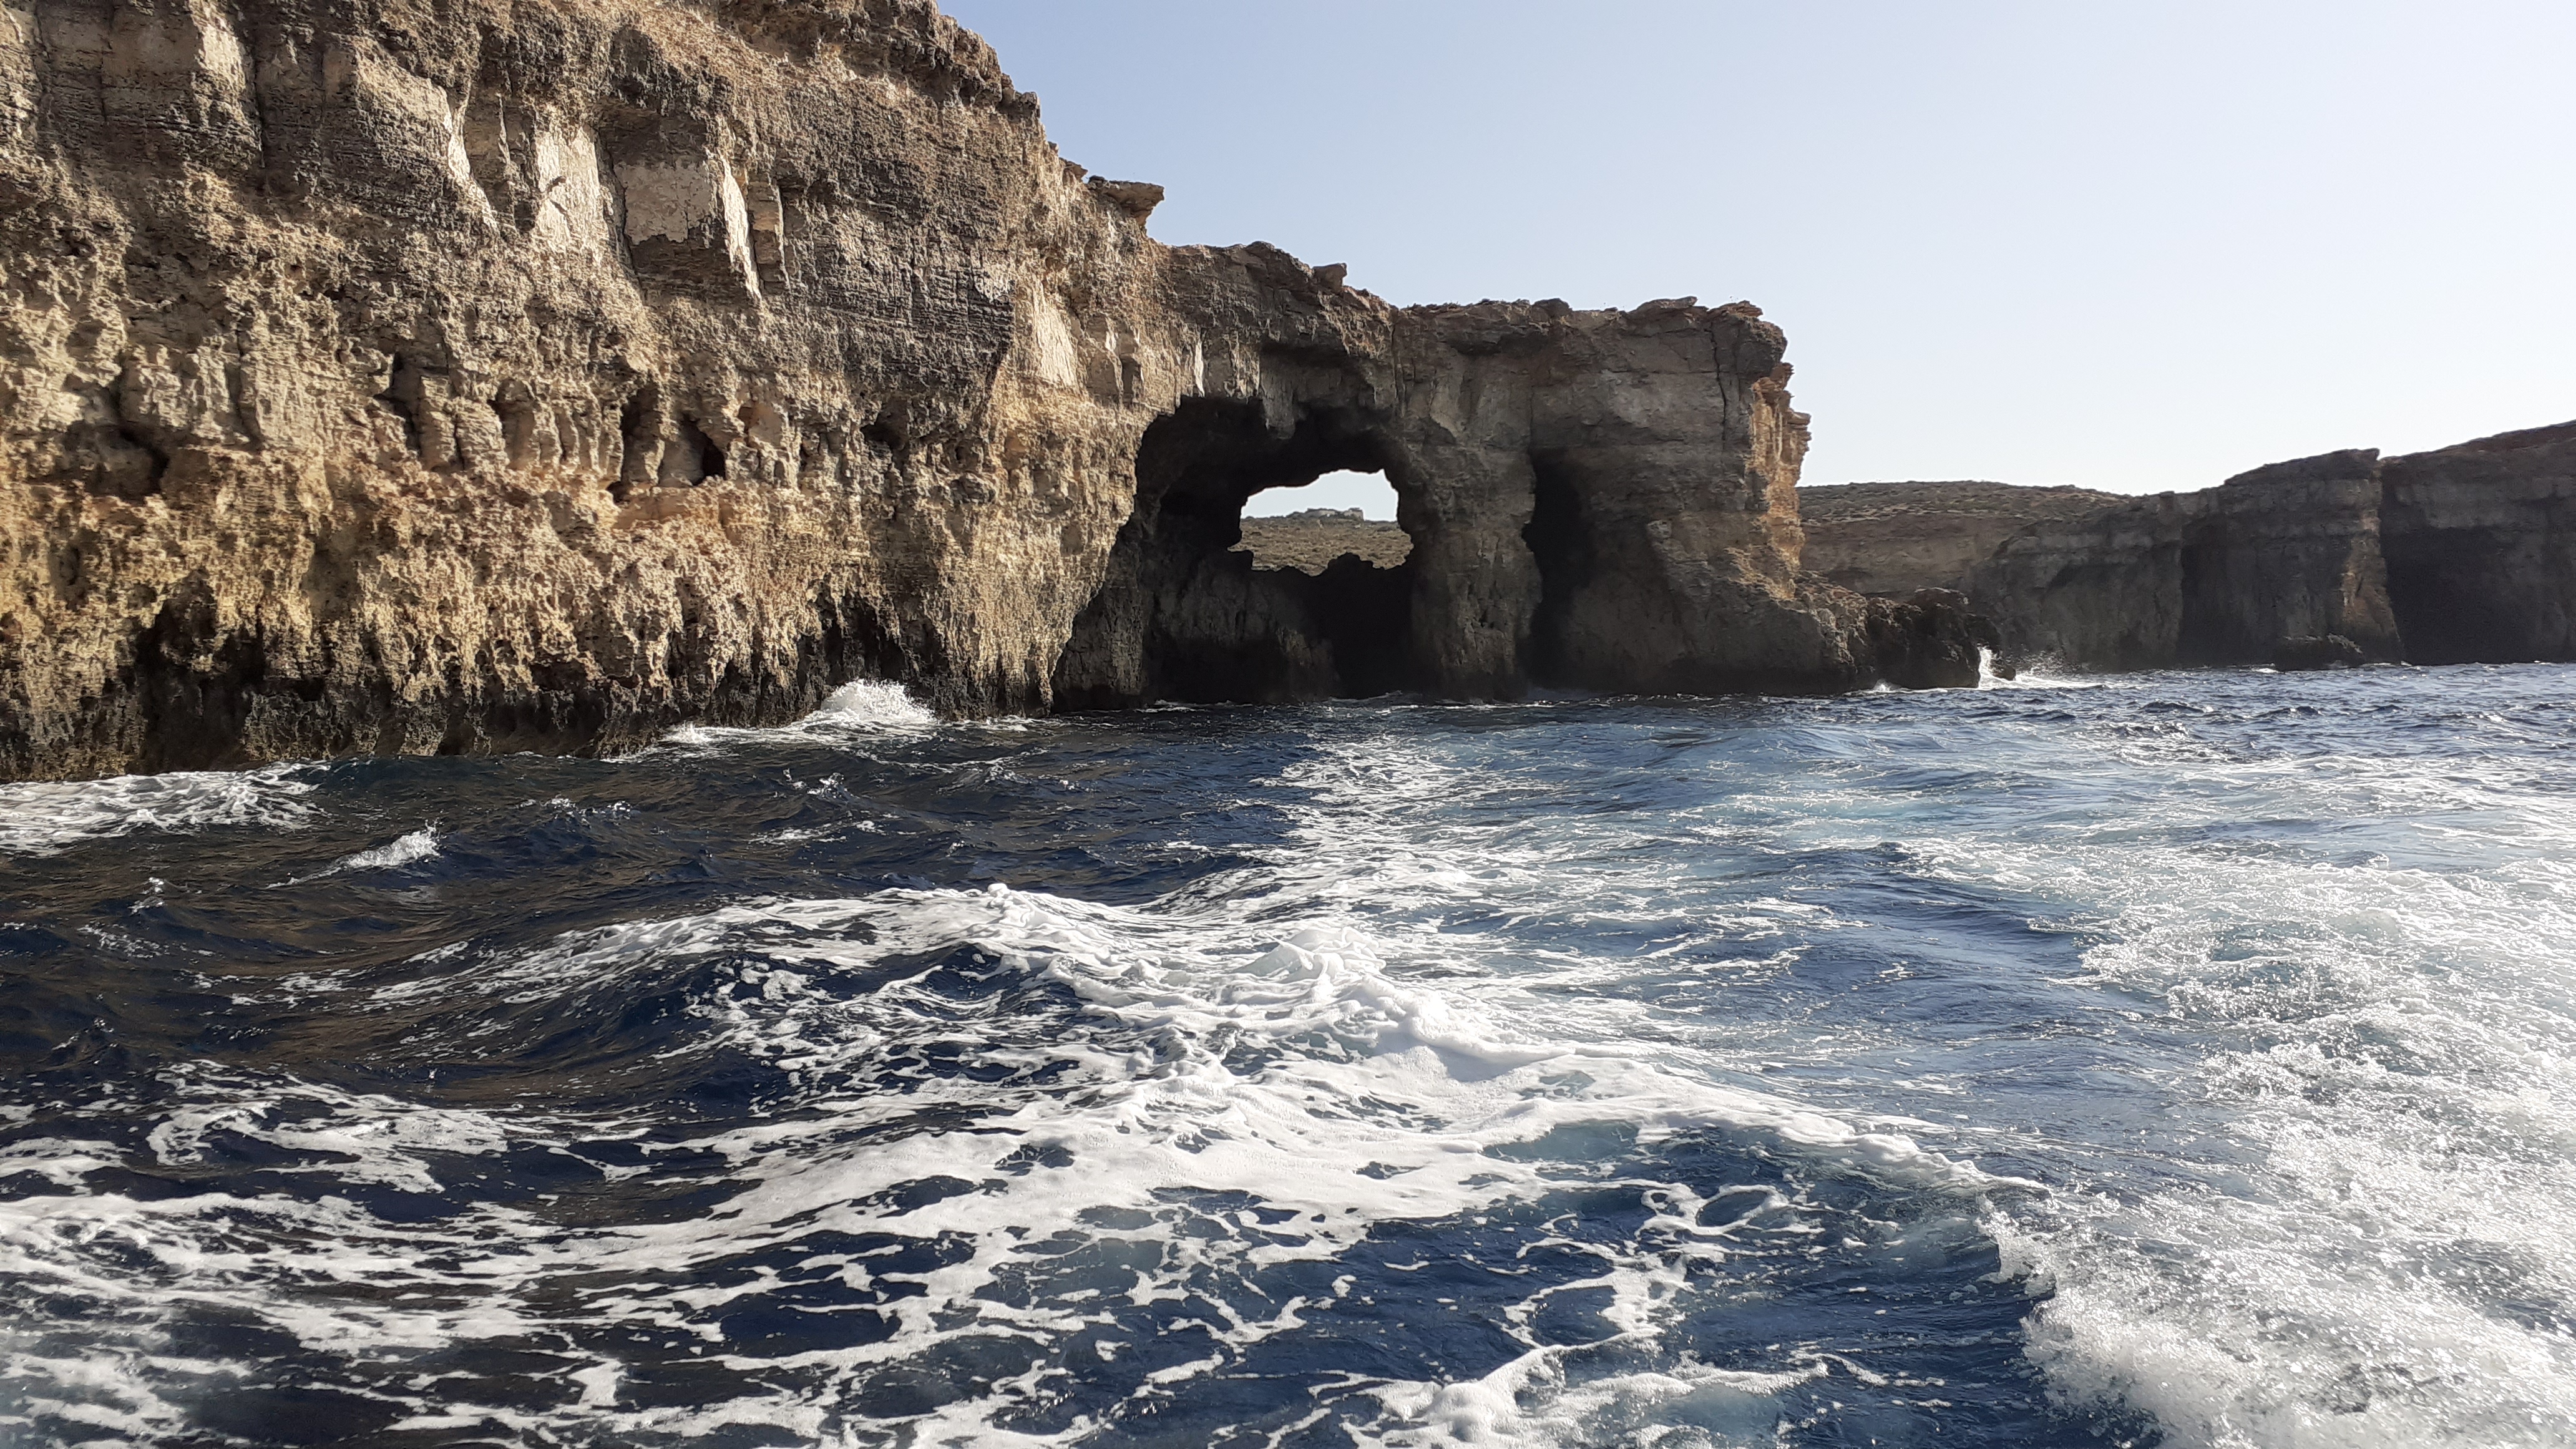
pixel 1895 538
pixel 1600 500
pixel 2464 554
pixel 2221 576
pixel 2481 546
pixel 464 375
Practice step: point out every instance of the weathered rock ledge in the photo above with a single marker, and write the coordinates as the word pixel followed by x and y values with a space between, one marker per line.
pixel 2461 555
pixel 466 375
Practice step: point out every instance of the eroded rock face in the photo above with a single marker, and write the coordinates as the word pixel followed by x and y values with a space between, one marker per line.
pixel 2287 551
pixel 1596 500
pixel 460 375
pixel 2461 555
pixel 2481 544
pixel 2221 576
pixel 2098 590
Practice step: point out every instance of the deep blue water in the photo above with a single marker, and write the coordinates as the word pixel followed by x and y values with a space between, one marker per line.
pixel 2173 1059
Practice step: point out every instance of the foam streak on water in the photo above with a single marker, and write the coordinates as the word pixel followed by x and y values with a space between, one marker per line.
pixel 2178 1059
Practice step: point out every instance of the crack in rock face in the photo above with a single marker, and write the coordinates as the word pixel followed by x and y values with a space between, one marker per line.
pixel 491 377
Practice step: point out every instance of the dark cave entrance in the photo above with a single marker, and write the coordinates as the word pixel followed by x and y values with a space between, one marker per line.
pixel 1560 544
pixel 1186 615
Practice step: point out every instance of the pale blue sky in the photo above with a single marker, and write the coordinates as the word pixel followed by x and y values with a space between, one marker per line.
pixel 1370 493
pixel 2135 246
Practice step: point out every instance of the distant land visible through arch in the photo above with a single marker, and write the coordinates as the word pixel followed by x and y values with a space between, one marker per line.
pixel 1337 491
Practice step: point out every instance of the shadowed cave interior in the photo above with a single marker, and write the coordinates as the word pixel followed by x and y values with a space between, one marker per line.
pixel 1560 543
pixel 1184 616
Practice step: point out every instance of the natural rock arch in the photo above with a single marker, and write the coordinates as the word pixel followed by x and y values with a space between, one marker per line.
pixel 483 377
pixel 1182 615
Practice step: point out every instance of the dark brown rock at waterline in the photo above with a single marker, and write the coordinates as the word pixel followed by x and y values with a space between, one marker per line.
pixel 2308 651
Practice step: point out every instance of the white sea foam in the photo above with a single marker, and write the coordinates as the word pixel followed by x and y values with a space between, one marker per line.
pixel 44 818
pixel 2339 1218
pixel 402 850
pixel 1210 1064
pixel 1532 1402
pixel 2046 671
pixel 2388 1056
pixel 855 710
pixel 2403 1091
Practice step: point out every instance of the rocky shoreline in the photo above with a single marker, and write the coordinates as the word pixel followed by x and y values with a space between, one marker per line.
pixel 2460 555
pixel 464 376
pixel 461 376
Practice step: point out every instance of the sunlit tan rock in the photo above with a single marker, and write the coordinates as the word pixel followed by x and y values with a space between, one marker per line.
pixel 478 376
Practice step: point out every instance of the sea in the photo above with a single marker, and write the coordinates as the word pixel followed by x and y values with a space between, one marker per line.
pixel 2177 1059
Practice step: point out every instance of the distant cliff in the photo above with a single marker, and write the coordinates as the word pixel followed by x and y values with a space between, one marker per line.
pixel 2481 546
pixel 2222 576
pixel 1311 541
pixel 2465 554
pixel 471 375
pixel 1895 538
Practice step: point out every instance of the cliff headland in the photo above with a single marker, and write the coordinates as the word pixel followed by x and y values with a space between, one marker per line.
pixel 454 376
pixel 461 376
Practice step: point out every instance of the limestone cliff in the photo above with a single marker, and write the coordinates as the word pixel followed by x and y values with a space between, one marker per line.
pixel 2464 554
pixel 448 376
pixel 461 375
pixel 1598 500
pixel 2221 576
pixel 2481 544
pixel 1896 538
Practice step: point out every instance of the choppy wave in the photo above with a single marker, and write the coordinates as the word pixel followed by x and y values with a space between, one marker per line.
pixel 864 707
pixel 395 854
pixel 41 819
pixel 2045 672
pixel 2180 1062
